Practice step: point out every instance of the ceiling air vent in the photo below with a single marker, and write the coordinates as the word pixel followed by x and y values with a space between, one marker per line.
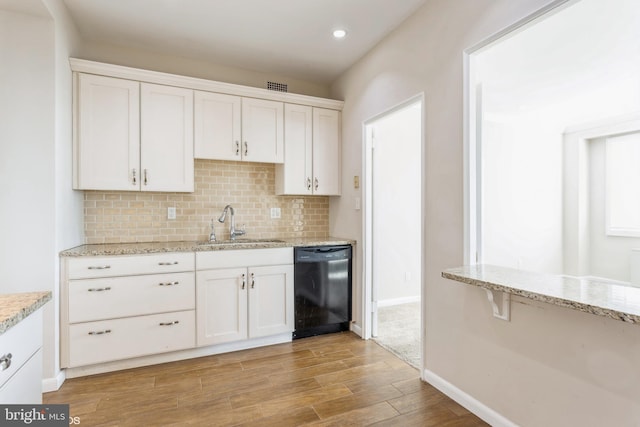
pixel 280 87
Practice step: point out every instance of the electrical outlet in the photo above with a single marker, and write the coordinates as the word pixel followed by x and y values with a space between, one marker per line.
pixel 171 213
pixel 275 213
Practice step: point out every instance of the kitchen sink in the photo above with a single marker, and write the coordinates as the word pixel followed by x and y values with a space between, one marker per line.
pixel 238 242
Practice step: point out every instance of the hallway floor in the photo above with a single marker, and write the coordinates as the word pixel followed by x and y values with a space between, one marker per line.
pixel 399 331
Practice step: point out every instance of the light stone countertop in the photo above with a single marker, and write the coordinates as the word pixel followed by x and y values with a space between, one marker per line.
pixel 159 247
pixel 609 299
pixel 16 307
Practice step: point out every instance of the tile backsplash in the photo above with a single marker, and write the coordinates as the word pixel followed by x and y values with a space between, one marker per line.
pixel 125 216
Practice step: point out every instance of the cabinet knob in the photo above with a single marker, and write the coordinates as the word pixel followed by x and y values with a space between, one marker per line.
pixel 5 361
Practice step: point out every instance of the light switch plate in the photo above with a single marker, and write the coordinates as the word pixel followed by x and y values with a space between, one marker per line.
pixel 275 213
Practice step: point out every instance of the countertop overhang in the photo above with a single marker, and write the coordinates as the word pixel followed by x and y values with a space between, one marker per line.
pixel 600 297
pixel 108 249
pixel 16 307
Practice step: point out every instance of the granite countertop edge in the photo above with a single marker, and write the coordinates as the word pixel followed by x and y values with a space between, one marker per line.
pixel 16 307
pixel 519 283
pixel 110 249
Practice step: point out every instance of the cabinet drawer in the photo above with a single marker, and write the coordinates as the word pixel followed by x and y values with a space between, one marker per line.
pixel 113 297
pixel 25 387
pixel 21 341
pixel 90 267
pixel 243 258
pixel 108 340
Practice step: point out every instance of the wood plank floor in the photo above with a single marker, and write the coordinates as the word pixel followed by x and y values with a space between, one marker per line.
pixel 329 380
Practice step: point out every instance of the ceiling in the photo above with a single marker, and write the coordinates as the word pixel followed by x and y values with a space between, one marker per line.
pixel 287 37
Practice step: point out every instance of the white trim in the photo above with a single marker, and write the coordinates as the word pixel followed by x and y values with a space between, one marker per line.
pixel 356 329
pixel 53 383
pixel 478 408
pixel 398 301
pixel 176 356
pixel 119 71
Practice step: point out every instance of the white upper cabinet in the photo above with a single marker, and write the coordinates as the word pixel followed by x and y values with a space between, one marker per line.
pixel 312 152
pixel 107 138
pixel 166 138
pixel 262 130
pixel 217 126
pixel 132 136
pixel 230 127
pixel 326 152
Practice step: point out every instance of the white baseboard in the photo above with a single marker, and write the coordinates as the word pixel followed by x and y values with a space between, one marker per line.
pixel 470 403
pixel 356 329
pixel 398 301
pixel 54 383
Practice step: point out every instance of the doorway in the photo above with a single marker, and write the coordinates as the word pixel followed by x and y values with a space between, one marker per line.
pixel 393 234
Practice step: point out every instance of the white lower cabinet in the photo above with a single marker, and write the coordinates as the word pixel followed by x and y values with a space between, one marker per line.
pixel 115 308
pixel 123 338
pixel 21 354
pixel 252 299
pixel 121 307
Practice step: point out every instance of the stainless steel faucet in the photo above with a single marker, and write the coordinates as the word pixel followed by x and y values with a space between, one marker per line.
pixel 232 227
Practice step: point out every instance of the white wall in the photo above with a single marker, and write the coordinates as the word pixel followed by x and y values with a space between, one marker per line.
pixel 548 366
pixel 522 194
pixel 608 255
pixel 131 57
pixel 397 200
pixel 39 213
pixel 69 208
pixel 27 162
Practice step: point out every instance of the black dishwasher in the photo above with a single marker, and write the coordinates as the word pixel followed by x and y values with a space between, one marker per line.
pixel 322 282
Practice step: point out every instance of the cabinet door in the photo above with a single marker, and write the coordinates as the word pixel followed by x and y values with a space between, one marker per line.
pixel 107 140
pixel 270 300
pixel 295 176
pixel 166 138
pixel 217 126
pixel 221 305
pixel 326 152
pixel 262 131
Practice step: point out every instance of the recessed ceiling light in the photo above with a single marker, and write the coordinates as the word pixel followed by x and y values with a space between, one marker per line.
pixel 339 34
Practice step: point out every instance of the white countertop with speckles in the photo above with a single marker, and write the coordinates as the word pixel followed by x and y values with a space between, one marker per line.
pixel 159 247
pixel 15 307
pixel 608 299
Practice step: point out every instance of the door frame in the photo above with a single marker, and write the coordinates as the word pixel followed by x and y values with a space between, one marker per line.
pixel 368 309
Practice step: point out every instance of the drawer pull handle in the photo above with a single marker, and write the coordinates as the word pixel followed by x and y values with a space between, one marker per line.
pixel 169 283
pixel 244 281
pixel 175 322
pixel 106 331
pixel 168 263
pixel 253 281
pixel 5 361
pixel 99 267
pixel 107 288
